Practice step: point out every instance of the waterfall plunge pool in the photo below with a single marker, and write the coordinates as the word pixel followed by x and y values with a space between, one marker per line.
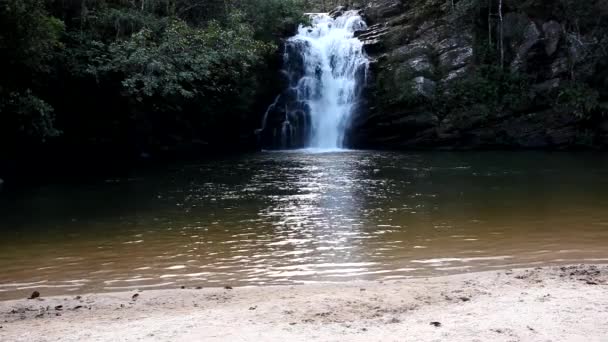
pixel 294 217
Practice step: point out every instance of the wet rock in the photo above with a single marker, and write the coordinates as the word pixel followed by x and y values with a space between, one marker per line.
pixel 531 37
pixel 415 121
pixel 420 65
pixel 135 296
pixel 35 295
pixel 553 33
pixel 415 44
pixel 410 51
pixel 456 59
pixel 559 67
pixel 379 10
pixel 546 86
pixel 336 12
pixel 424 86
pixel 455 75
pixel 453 43
pixel 372 38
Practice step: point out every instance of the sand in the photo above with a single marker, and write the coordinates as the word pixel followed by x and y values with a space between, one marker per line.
pixel 567 303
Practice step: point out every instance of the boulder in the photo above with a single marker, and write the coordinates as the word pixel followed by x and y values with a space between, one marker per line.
pixel 531 37
pixel 338 11
pixel 547 86
pixel 424 86
pixel 416 121
pixel 372 38
pixel 553 33
pixel 456 59
pixel 453 42
pixel 455 74
pixel 420 65
pixel 409 51
pixel 379 10
pixel 559 67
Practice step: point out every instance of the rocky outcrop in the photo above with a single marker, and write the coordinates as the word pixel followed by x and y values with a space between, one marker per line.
pixel 424 52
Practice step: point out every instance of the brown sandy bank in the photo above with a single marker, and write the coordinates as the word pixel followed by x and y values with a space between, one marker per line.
pixel 543 304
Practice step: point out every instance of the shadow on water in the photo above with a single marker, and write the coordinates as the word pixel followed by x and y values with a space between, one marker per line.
pixel 304 216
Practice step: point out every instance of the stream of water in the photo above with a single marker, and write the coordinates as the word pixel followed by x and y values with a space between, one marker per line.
pixel 326 68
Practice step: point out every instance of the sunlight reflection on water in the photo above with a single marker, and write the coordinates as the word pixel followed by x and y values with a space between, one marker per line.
pixel 298 217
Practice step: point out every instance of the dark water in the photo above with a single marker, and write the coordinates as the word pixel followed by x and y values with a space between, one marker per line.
pixel 295 217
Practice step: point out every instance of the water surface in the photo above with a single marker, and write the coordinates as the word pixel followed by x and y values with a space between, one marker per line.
pixel 299 217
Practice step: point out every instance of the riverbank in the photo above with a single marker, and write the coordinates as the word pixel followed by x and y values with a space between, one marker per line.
pixel 552 303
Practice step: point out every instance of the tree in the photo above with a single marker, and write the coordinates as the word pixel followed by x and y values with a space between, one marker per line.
pixel 29 42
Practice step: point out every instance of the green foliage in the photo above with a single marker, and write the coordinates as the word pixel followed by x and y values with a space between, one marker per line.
pixel 490 86
pixel 144 69
pixel 578 16
pixel 578 98
pixel 272 18
pixel 29 43
pixel 182 61
pixel 109 24
pixel 29 115
pixel 29 37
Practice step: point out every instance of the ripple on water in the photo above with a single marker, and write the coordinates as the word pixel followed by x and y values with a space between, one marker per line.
pixel 286 218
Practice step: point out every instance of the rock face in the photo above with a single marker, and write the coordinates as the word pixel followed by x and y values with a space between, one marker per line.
pixel 425 53
pixel 327 6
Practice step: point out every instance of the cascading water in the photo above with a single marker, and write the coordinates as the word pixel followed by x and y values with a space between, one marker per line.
pixel 325 68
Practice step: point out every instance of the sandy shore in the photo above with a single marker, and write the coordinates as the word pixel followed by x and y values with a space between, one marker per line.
pixel 543 304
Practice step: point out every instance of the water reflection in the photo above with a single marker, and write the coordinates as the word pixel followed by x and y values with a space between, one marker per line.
pixel 294 217
pixel 317 221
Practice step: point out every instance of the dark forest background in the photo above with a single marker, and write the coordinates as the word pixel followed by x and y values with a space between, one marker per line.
pixel 92 84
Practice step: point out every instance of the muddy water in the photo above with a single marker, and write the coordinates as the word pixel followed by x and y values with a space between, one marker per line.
pixel 298 217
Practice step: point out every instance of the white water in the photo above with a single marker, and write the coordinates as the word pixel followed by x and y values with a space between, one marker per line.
pixel 332 57
pixel 327 68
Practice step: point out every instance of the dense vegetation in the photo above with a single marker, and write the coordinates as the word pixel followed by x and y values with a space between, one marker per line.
pixel 130 77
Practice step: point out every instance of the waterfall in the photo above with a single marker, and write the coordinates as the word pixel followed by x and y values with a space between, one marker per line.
pixel 325 68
